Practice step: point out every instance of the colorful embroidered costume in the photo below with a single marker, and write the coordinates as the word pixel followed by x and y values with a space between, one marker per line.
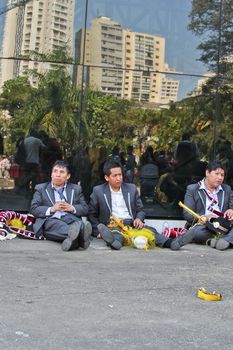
pixel 13 222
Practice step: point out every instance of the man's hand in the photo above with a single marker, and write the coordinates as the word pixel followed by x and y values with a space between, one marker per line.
pixel 67 207
pixel 138 223
pixel 205 218
pixel 62 206
pixel 228 214
pixel 55 207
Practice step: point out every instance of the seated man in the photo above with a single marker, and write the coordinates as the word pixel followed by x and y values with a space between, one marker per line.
pixel 58 207
pixel 210 198
pixel 121 200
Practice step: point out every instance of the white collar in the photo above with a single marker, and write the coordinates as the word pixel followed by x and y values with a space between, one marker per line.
pixel 112 191
pixel 203 186
pixel 62 187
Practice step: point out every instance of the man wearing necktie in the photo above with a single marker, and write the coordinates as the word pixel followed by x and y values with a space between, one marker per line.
pixel 58 207
pixel 210 198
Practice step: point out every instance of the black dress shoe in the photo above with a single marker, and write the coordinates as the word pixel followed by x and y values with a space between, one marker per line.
pixel 108 237
pixel 71 242
pixel 180 241
pixel 85 234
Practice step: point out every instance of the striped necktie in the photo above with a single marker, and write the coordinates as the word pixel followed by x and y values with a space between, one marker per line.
pixel 61 194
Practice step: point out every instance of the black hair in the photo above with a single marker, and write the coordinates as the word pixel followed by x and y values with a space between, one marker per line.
pixel 34 133
pixel 62 164
pixel 111 164
pixel 215 164
pixel 186 136
pixel 130 149
pixel 115 151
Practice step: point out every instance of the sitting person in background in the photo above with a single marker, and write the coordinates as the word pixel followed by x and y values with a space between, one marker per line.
pixel 130 165
pixel 58 207
pixel 187 169
pixel 210 198
pixel 148 173
pixel 148 157
pixel 122 201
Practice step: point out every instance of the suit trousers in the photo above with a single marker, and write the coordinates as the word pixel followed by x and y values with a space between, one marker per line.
pixel 202 234
pixel 117 235
pixel 57 229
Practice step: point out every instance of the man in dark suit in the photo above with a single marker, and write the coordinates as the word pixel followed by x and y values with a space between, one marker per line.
pixel 209 198
pixel 58 207
pixel 122 201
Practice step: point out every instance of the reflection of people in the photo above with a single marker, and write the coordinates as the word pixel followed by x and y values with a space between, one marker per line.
pixel 122 201
pixel 209 198
pixel 130 165
pixel 187 169
pixel 32 147
pixel 5 165
pixel 58 207
pixel 1 145
pixel 81 167
pixel 186 150
pixel 149 173
pixel 115 153
pixel 148 157
pixel 50 154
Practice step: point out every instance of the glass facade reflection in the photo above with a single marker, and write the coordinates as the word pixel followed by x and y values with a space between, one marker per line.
pixel 139 81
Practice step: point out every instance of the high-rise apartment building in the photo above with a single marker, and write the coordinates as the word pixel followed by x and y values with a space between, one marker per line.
pixel 124 63
pixel 144 78
pixel 144 56
pixel 8 44
pixel 103 55
pixel 47 25
pixel 169 87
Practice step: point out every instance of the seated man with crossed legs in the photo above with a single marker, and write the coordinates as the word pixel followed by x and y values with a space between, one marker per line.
pixel 58 207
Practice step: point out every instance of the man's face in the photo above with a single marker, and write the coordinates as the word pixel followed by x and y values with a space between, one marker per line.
pixel 214 178
pixel 115 178
pixel 59 176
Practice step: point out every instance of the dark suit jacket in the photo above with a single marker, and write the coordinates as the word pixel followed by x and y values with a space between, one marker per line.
pixel 195 199
pixel 44 198
pixel 100 206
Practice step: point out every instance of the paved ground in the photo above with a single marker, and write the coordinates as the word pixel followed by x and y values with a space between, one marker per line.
pixel 102 299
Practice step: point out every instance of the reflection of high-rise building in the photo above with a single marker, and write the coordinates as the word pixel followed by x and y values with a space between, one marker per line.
pixel 169 88
pixel 144 55
pixel 8 46
pixel 227 61
pixel 47 25
pixel 200 84
pixel 103 52
pixel 124 63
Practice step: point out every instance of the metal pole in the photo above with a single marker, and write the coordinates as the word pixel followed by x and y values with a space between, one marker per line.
pixel 83 70
pixel 217 84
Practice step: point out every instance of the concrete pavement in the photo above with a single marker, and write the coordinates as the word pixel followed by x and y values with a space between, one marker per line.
pixel 103 299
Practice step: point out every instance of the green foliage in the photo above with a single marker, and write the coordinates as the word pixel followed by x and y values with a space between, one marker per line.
pixel 15 94
pixel 89 118
pixel 212 20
